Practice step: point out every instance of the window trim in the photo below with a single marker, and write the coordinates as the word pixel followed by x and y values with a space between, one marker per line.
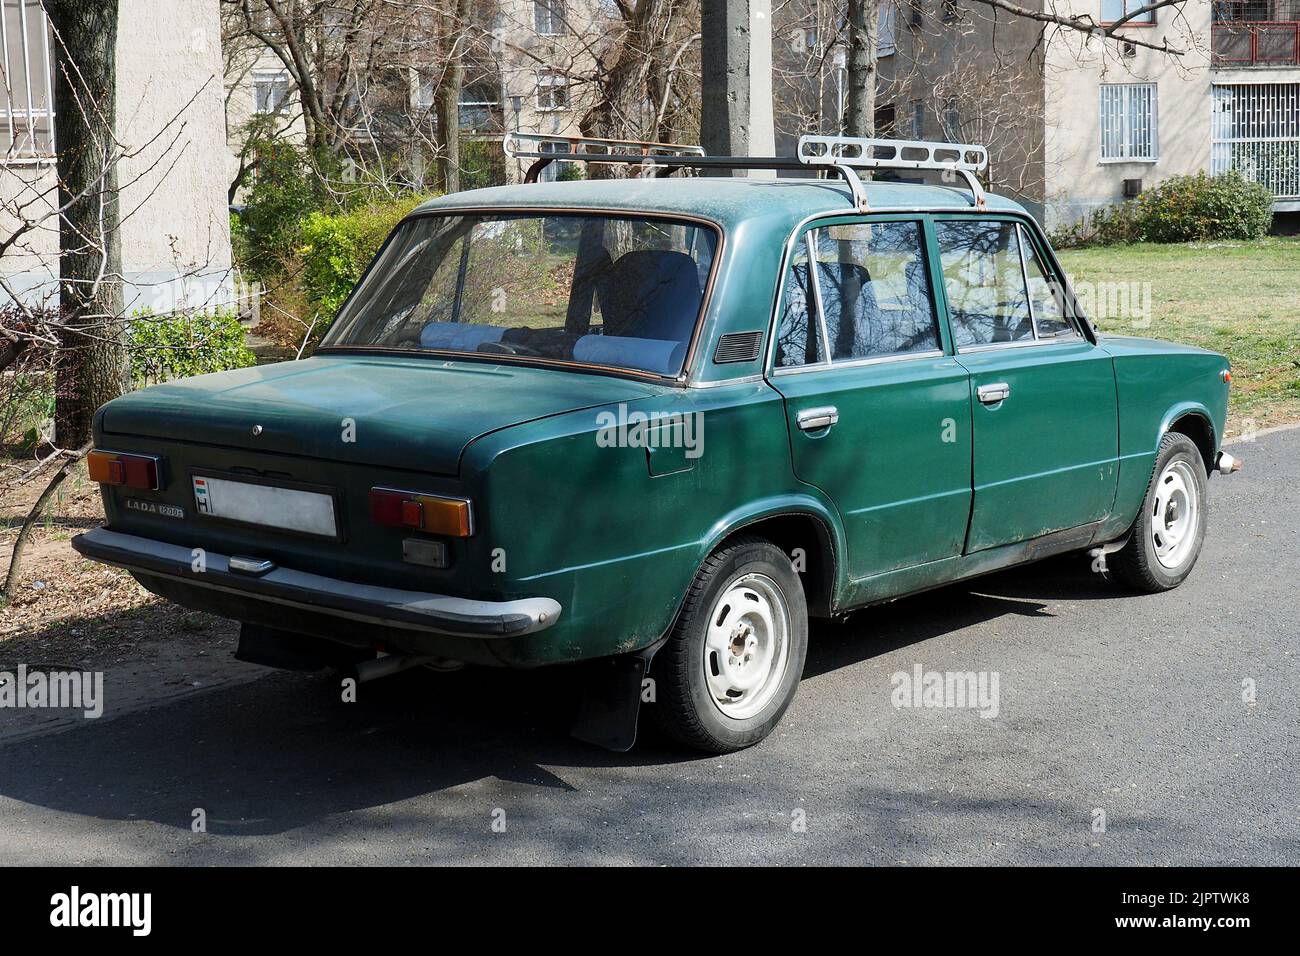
pixel 271 76
pixel 929 216
pixel 549 80
pixel 1153 14
pixel 683 379
pixel 1103 159
pixel 804 232
pixel 28 112
pixel 563 17
pixel 1050 265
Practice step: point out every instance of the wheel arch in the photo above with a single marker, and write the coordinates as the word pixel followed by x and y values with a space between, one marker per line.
pixel 805 525
pixel 1195 422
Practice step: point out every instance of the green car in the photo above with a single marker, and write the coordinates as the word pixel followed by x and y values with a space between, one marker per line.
pixel 657 424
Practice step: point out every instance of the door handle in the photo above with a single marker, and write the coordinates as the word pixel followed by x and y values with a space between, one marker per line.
pixel 992 394
pixel 815 419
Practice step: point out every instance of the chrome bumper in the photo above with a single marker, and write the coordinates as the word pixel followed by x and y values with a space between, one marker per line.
pixel 410 610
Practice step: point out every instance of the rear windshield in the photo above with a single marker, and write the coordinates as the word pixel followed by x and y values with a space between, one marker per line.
pixel 615 291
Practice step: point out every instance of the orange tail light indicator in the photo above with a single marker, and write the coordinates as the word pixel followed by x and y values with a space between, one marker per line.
pixel 395 508
pixel 131 471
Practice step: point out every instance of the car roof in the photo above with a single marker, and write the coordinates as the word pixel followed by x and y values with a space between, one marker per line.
pixel 728 201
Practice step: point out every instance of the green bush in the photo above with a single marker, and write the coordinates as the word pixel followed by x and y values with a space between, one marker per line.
pixel 284 190
pixel 1200 207
pixel 1181 209
pixel 163 348
pixel 336 248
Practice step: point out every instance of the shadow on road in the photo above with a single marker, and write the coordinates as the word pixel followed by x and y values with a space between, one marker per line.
pixel 283 751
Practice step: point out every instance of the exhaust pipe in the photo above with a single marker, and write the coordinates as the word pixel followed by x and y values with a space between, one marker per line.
pixel 386 665
pixel 1225 464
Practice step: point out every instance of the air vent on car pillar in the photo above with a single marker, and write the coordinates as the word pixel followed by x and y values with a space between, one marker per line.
pixel 738 347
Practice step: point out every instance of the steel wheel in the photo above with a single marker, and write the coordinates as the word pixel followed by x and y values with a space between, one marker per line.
pixel 1175 514
pixel 747 647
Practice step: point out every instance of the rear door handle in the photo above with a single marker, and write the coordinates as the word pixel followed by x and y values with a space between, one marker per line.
pixel 815 419
pixel 992 394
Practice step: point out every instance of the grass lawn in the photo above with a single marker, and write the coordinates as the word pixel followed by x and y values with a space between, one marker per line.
pixel 1238 298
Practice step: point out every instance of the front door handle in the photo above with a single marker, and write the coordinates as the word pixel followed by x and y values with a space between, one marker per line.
pixel 815 419
pixel 992 394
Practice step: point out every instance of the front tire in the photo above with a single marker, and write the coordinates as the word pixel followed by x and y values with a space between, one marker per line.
pixel 1166 538
pixel 733 662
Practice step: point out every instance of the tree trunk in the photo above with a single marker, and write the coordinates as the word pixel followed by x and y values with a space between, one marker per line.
pixel 449 127
pixel 448 96
pixel 860 108
pixel 724 59
pixel 92 363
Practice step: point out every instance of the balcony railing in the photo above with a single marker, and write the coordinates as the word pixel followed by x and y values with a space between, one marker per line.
pixel 1256 33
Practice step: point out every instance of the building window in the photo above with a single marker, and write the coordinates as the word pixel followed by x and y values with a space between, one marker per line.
pixel 478 106
pixel 27 90
pixel 949 11
pixel 1113 10
pixel 1128 121
pixel 952 121
pixel 918 119
pixel 886 121
pixel 548 17
pixel 270 91
pixel 885 40
pixel 552 92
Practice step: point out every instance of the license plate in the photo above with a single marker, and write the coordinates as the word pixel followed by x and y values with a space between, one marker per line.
pixel 292 509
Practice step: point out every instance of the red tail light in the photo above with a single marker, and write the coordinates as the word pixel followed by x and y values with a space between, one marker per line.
pixel 132 471
pixel 394 508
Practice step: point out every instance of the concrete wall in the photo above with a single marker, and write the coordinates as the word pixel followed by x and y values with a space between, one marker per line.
pixel 1078 179
pixel 175 231
pixel 984 64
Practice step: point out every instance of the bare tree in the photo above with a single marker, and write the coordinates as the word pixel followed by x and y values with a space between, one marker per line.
pixel 93 367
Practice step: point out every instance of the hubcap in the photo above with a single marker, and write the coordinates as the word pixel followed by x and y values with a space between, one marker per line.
pixel 1175 515
pixel 747 646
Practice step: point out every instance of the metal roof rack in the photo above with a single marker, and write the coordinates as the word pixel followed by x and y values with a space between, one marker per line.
pixel 963 159
pixel 842 155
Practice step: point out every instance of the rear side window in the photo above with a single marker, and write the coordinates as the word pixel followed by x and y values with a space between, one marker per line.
pixel 985 281
pixel 873 288
pixel 1046 296
pixel 798 338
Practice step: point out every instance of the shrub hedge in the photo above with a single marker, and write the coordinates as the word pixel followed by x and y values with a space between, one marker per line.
pixel 1194 208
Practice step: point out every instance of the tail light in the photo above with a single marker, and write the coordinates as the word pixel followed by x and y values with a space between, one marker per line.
pixel 132 471
pixel 432 513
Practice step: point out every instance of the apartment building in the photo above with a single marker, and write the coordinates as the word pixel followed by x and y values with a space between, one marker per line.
pixel 175 232
pixel 1076 122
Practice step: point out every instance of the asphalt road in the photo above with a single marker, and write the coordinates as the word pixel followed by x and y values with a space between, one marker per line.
pixel 1128 704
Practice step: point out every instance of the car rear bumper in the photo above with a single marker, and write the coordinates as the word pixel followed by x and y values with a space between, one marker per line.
pixel 415 611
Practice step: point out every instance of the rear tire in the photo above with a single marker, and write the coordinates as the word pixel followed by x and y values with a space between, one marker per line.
pixel 1166 538
pixel 733 662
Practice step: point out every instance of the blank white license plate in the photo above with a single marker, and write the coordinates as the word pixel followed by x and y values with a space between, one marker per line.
pixel 308 512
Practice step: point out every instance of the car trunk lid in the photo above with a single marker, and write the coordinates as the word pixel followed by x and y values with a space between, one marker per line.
pixel 412 413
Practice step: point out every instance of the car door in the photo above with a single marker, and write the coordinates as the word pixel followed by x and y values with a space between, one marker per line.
pixel 878 410
pixel 1044 401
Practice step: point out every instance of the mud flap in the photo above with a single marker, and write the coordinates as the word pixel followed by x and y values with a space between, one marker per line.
pixel 611 700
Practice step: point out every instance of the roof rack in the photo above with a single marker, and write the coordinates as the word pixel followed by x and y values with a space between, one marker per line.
pixel 963 159
pixel 842 155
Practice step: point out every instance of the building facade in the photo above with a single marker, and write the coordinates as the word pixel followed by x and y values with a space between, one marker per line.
pixel 1076 123
pixel 175 229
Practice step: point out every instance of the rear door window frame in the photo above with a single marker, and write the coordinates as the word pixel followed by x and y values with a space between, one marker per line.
pixel 802 238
